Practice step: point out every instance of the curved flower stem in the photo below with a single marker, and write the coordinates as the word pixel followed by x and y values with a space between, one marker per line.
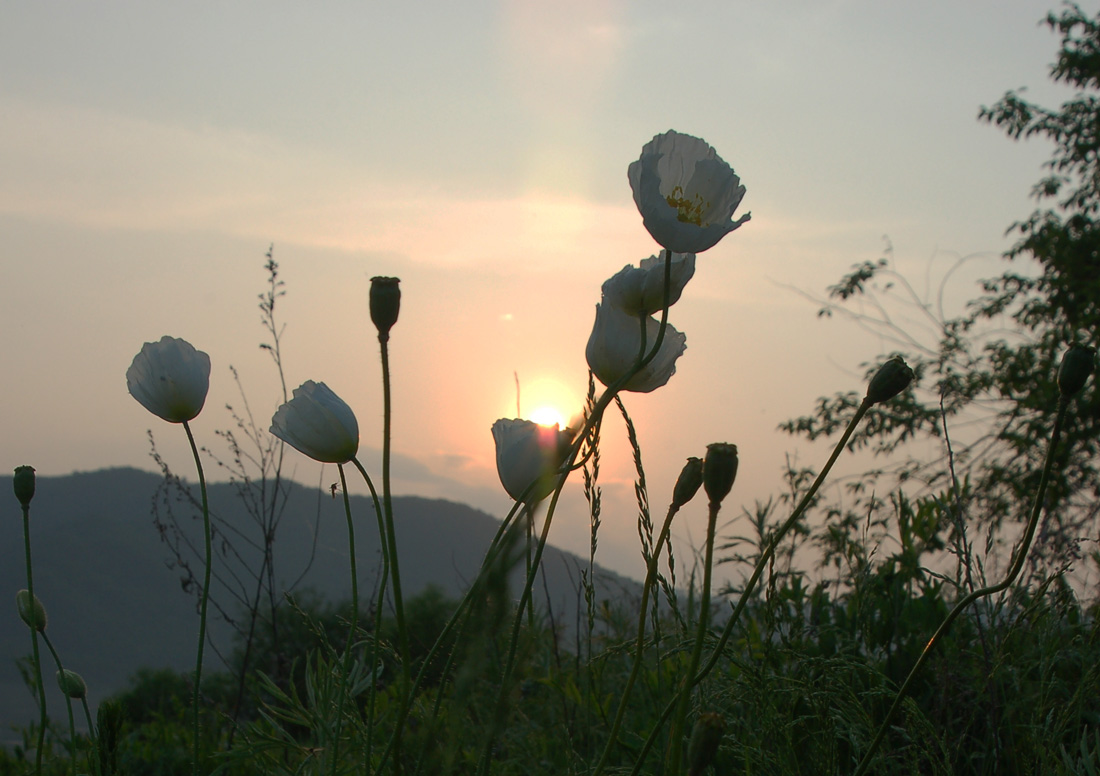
pixel 1014 570
pixel 460 611
pixel 387 503
pixel 204 601
pixel 377 611
pixel 755 578
pixel 639 645
pixel 68 700
pixel 595 417
pixel 391 541
pixel 529 517
pixel 677 734
pixel 353 625
pixel 93 756
pixel 34 644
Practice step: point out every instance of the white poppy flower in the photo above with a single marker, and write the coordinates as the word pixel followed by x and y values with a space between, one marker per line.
pixel 318 423
pixel 613 348
pixel 641 290
pixel 528 453
pixel 170 379
pixel 685 192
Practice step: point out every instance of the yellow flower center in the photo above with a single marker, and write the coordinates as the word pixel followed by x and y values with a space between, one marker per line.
pixel 688 211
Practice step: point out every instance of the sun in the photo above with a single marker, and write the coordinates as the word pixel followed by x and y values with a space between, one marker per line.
pixel 548 416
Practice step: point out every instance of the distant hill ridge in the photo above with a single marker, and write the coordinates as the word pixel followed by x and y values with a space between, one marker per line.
pixel 115 605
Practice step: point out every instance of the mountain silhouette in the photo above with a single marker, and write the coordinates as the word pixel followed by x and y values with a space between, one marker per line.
pixel 117 601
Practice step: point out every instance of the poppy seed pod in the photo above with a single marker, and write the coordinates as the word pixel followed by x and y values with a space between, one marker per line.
pixel 719 470
pixel 892 378
pixel 385 303
pixel 23 484
pixel 72 683
pixel 1077 364
pixel 33 613
pixel 688 483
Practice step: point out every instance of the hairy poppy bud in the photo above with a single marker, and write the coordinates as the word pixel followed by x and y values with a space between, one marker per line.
pixel 385 303
pixel 71 683
pixel 32 612
pixel 23 483
pixel 687 484
pixel 719 470
pixel 892 378
pixel 1077 364
pixel 705 737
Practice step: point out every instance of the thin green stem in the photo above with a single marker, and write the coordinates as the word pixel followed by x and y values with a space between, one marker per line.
pixel 755 578
pixel 68 700
pixel 639 644
pixel 377 613
pixel 353 625
pixel 460 611
pixel 34 644
pixel 677 734
pixel 93 754
pixel 1019 557
pixel 387 503
pixel 597 414
pixel 203 604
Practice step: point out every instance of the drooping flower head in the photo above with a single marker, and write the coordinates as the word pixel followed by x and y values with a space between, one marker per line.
pixel 529 455
pixel 318 423
pixel 685 192
pixel 170 379
pixel 615 342
pixel 641 290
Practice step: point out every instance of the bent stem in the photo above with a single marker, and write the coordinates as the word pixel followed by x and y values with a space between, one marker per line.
pixel 68 700
pixel 34 644
pixel 353 625
pixel 203 603
pixel 639 645
pixel 755 578
pixel 1014 571
pixel 387 503
pixel 593 419
pixel 677 734
pixel 377 610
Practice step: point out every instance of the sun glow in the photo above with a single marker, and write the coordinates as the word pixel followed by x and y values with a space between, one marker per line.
pixel 549 416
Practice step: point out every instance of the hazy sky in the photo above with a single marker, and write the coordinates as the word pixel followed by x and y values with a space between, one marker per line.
pixel 150 153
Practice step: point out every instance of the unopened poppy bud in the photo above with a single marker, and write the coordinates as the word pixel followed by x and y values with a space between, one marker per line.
pixel 687 484
pixel 31 612
pixel 719 470
pixel 71 683
pixel 1077 364
pixel 706 735
pixel 385 303
pixel 892 378
pixel 23 483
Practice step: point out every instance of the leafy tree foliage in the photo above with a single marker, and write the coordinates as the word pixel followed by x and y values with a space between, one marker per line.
pixel 977 373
